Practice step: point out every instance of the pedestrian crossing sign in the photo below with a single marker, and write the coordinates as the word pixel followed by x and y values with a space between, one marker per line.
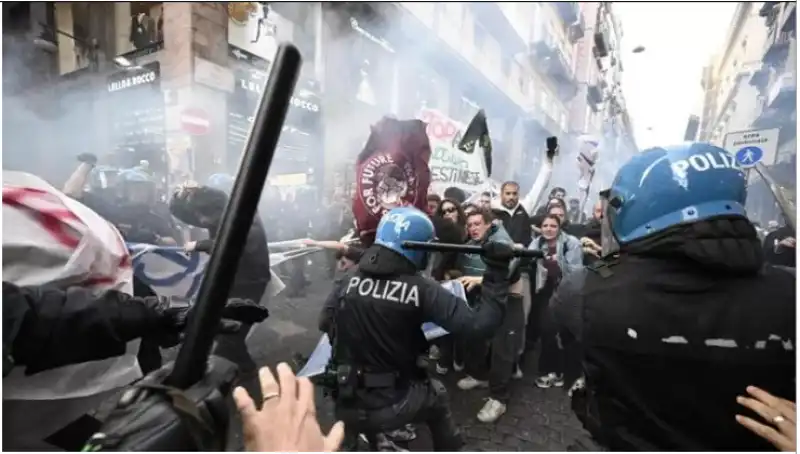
pixel 751 147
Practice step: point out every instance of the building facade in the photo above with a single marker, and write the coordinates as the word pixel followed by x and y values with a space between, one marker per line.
pixel 750 85
pixel 177 84
pixel 599 109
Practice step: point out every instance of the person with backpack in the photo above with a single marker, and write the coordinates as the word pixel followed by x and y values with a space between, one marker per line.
pixel 562 254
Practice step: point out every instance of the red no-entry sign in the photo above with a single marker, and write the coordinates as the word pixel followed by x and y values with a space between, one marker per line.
pixel 195 121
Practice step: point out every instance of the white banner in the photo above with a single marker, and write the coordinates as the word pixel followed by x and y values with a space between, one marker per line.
pixel 451 167
pixel 172 272
pixel 51 239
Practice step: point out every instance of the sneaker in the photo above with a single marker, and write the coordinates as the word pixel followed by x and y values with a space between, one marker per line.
pixel 434 354
pixel 577 386
pixel 467 383
pixel 441 370
pixel 458 367
pixel 517 375
pixel 491 411
pixel 550 380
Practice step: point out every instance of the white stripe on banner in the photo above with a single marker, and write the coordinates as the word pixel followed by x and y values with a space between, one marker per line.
pixel 322 353
pixel 174 273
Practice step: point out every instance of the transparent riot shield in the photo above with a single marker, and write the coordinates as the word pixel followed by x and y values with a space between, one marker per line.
pixel 784 193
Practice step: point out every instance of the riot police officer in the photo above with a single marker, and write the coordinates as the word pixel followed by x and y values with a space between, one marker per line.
pixel 373 318
pixel 142 218
pixel 686 316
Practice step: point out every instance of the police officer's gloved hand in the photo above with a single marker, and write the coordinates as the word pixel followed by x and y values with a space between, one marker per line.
pixel 498 255
pixel 169 320
pixel 87 158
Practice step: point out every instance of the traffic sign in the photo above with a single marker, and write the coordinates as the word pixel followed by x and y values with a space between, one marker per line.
pixel 752 147
pixel 749 156
pixel 195 121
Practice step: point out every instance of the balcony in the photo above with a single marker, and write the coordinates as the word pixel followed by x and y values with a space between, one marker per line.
pixel 496 23
pixel 788 20
pixel 594 97
pixel 760 79
pixel 601 44
pixel 776 48
pixel 577 30
pixel 783 92
pixel 551 61
pixel 568 12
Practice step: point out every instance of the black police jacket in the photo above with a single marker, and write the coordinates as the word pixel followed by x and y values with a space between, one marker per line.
pixel 136 222
pixel 374 314
pixel 253 272
pixel 45 328
pixel 673 331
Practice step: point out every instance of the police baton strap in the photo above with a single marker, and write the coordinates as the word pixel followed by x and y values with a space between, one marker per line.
pixel 190 364
pixel 464 249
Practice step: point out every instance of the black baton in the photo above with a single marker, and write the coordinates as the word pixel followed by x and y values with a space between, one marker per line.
pixel 237 220
pixel 464 249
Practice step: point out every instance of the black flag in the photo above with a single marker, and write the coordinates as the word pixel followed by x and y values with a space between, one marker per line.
pixel 478 133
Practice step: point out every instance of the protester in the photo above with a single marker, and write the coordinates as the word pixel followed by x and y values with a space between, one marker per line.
pixel 555 193
pixel 47 328
pixel 685 317
pixel 590 234
pixel 485 202
pixel 492 364
pixel 450 224
pixel 203 206
pixel 450 210
pixel 456 194
pixel 557 210
pixel 536 221
pixel 514 214
pixel 434 200
pixel 562 255
pixel 574 213
pixel 287 419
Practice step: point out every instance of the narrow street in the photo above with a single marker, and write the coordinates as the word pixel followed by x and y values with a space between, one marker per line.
pixel 537 419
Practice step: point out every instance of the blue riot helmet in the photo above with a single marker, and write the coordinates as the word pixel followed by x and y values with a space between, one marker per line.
pixel 405 224
pixel 665 187
pixel 221 181
pixel 102 178
pixel 136 186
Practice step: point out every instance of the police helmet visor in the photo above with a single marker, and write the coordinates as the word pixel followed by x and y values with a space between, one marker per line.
pixel 610 245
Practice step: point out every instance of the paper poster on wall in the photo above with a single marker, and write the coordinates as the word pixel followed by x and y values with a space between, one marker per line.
pixel 451 167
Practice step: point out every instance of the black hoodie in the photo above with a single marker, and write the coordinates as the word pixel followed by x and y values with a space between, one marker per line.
pixel 685 321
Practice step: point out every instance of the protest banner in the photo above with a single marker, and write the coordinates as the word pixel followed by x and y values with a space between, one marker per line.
pixel 451 167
